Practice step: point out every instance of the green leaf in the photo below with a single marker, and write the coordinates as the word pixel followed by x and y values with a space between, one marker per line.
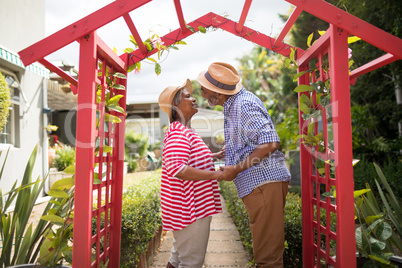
pixel 118 87
pixel 358 193
pixel 311 128
pixel 63 184
pixel 112 118
pixel 383 231
pixel 309 39
pixel 319 137
pixel 325 101
pixel 149 46
pixel 128 50
pixel 190 28
pixel 305 99
pixel 304 108
pixel 70 169
pixel 174 47
pixel 321 32
pixel 380 258
pixel 132 39
pixel 352 39
pixel 387 187
pixel 116 108
pixel 202 29
pixel 152 59
pixel 306 116
pixel 115 100
pixel 58 193
pixel 298 75
pixel 97 181
pixel 131 68
pixel 181 43
pixel 286 63
pixel 303 88
pixel 158 69
pixel 298 137
pixel 376 245
pixel 292 55
pixel 52 218
pixel 119 75
pixel 316 114
pixel 318 86
pixel 322 172
pixel 107 149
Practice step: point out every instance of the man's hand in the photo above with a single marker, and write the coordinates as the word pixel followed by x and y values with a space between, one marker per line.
pixel 229 173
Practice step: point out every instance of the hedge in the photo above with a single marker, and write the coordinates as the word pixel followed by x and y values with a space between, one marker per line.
pixel 141 218
pixel 293 255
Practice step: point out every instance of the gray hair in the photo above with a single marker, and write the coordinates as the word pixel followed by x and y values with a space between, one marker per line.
pixel 175 102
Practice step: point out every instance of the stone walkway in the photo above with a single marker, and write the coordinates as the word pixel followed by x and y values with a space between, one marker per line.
pixel 224 248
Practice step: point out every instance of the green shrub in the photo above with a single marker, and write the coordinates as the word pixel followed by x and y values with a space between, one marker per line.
pixel 65 156
pixel 141 218
pixel 364 172
pixel 293 256
pixel 4 101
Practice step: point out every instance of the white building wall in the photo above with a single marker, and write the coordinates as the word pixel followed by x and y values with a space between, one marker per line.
pixel 22 23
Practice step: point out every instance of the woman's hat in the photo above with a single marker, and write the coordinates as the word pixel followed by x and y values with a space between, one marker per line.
pixel 221 78
pixel 167 95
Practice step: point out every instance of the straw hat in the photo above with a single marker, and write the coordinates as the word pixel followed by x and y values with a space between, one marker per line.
pixel 221 78
pixel 167 95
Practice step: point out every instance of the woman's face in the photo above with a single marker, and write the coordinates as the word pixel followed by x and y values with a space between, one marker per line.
pixel 188 104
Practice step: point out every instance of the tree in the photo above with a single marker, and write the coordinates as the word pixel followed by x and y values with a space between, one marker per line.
pixel 376 91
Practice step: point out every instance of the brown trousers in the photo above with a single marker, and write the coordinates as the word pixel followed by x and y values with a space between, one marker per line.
pixel 265 207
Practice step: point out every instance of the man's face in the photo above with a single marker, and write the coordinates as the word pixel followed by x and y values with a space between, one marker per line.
pixel 212 97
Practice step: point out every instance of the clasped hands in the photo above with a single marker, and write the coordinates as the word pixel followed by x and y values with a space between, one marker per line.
pixel 226 173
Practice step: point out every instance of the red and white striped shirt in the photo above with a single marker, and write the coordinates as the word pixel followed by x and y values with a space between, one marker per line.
pixel 182 201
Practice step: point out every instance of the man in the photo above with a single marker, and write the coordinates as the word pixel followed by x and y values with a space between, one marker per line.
pixel 252 160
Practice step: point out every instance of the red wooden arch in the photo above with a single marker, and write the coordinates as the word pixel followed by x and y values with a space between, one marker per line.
pixel 94 51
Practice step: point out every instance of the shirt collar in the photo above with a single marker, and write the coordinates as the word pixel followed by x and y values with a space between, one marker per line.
pixel 232 98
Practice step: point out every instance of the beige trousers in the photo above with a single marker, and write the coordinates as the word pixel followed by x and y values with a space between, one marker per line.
pixel 265 207
pixel 190 244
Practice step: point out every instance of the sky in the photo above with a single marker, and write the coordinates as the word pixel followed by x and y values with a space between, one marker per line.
pixel 159 17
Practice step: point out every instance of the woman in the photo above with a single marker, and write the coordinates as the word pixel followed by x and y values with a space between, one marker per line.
pixel 189 190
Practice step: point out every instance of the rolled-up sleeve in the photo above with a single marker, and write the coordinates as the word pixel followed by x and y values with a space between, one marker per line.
pixel 177 152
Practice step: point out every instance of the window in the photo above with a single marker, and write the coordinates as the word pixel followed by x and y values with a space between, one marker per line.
pixel 10 133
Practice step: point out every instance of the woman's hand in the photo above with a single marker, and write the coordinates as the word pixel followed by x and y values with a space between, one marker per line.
pixel 219 155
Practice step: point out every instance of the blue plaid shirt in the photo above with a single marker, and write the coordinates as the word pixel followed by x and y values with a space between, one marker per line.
pixel 247 124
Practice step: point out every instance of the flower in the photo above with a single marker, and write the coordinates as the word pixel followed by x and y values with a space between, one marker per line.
pixel 136 71
pixel 349 53
pixel 157 42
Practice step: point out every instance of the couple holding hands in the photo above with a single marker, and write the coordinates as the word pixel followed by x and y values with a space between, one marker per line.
pixel 189 184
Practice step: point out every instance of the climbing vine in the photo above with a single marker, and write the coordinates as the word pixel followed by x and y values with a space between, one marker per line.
pixel 315 103
pixel 152 43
